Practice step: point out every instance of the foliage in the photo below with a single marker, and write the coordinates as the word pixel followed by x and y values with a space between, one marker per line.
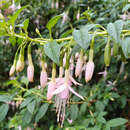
pixel 42 26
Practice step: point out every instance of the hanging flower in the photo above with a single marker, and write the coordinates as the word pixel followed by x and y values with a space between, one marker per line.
pixel 30 73
pixel 63 87
pixel 89 71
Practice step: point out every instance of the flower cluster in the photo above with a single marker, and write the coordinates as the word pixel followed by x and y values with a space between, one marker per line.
pixel 60 86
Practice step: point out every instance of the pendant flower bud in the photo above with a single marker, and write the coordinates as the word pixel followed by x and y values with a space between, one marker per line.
pixel 19 65
pixel 79 65
pixel 30 69
pixel 43 79
pixel 12 70
pixel 30 73
pixel 89 71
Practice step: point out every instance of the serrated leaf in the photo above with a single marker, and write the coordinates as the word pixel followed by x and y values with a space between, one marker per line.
pixel 82 37
pixel 52 50
pixel 53 21
pixel 26 102
pixel 27 117
pixel 117 122
pixel 101 119
pixel 31 106
pixel 74 111
pixel 3 111
pixel 41 112
pixel 99 106
pixel 5 98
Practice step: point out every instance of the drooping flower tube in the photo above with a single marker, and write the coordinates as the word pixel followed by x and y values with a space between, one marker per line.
pixel 43 75
pixel 89 67
pixel 52 83
pixel 30 69
pixel 20 62
pixel 12 69
pixel 79 64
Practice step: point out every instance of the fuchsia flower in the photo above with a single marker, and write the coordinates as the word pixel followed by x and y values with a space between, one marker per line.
pixel 51 88
pixel 78 68
pixel 89 71
pixel 30 73
pixel 62 89
pixel 43 78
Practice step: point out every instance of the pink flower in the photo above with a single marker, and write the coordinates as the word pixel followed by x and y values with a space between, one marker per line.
pixel 51 88
pixel 65 17
pixel 89 71
pixel 30 73
pixel 78 68
pixel 70 121
pixel 63 87
pixel 43 78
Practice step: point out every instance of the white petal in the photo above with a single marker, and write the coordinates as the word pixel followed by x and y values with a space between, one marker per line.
pixel 74 82
pixel 59 89
pixel 72 90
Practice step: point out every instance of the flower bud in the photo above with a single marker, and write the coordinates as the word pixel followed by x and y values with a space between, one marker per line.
pixel 89 71
pixel 30 73
pixel 115 49
pixel 79 65
pixel 12 70
pixel 20 62
pixel 19 65
pixel 107 54
pixel 43 79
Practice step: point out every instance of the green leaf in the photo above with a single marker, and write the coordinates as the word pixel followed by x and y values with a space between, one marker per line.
pixel 101 119
pixel 41 112
pixel 3 111
pixel 126 8
pixel 5 98
pixel 26 102
pixel 27 117
pixel 82 37
pixel 24 80
pixel 52 50
pixel 31 106
pixel 16 14
pixel 12 40
pixel 99 106
pixel 114 29
pixel 74 111
pixel 123 100
pixel 119 26
pixel 107 127
pixel 117 122
pixel 53 21
pixel 126 47
pixel 25 24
